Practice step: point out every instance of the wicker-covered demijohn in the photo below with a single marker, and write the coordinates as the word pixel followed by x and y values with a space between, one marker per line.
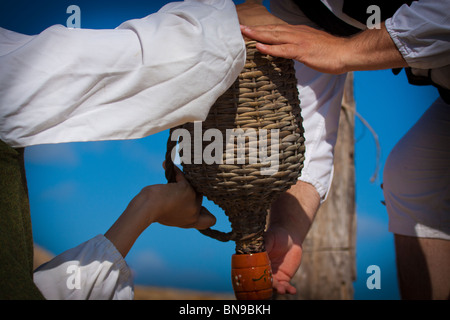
pixel 262 148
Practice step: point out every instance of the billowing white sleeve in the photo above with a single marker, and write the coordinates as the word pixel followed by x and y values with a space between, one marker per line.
pixel 147 75
pixel 94 270
pixel 421 33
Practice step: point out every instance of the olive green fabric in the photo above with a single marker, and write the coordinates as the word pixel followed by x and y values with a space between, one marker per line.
pixel 16 240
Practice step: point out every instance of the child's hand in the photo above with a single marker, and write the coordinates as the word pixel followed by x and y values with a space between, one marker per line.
pixel 178 205
pixel 173 204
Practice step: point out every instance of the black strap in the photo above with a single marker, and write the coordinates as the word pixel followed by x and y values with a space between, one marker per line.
pixel 426 81
pixel 318 13
pixel 357 9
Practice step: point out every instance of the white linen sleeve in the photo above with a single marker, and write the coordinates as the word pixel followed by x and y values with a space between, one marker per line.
pixel 94 270
pixel 421 32
pixel 147 75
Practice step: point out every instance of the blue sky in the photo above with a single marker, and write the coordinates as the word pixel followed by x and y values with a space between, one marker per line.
pixel 78 190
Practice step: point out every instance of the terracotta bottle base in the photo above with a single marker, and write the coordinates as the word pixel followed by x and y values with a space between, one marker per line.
pixel 251 276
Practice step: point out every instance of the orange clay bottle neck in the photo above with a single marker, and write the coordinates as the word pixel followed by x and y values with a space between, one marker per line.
pixel 251 276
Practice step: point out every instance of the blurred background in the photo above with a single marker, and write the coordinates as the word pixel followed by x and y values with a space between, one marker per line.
pixel 78 190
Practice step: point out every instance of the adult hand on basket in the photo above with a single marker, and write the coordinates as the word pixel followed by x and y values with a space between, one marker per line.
pixel 291 216
pixel 315 48
pixel 372 49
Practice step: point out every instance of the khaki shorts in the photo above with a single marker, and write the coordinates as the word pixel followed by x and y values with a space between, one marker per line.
pixel 416 179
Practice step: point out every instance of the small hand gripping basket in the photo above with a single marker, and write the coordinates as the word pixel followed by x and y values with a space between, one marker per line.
pixel 258 126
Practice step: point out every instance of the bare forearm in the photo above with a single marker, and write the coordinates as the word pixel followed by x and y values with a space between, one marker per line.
pixel 123 234
pixel 254 1
pixel 372 49
pixel 133 221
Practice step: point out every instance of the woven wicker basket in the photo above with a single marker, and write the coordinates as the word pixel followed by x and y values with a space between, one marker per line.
pixel 265 97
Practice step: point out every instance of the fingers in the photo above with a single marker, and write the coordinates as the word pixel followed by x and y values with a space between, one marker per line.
pixel 270 34
pixel 284 287
pixel 269 241
pixel 274 40
pixel 287 51
pixel 182 182
pixel 205 220
pixel 179 176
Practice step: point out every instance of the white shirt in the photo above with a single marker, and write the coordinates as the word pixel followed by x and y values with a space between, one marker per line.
pixel 421 33
pixel 147 75
pixel 94 270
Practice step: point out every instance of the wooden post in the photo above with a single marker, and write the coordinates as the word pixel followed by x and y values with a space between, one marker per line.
pixel 328 266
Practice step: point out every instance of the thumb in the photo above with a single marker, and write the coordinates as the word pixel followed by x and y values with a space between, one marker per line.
pixel 205 219
pixel 269 240
pixel 179 176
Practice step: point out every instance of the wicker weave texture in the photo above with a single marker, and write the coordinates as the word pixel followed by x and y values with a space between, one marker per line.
pixel 249 174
